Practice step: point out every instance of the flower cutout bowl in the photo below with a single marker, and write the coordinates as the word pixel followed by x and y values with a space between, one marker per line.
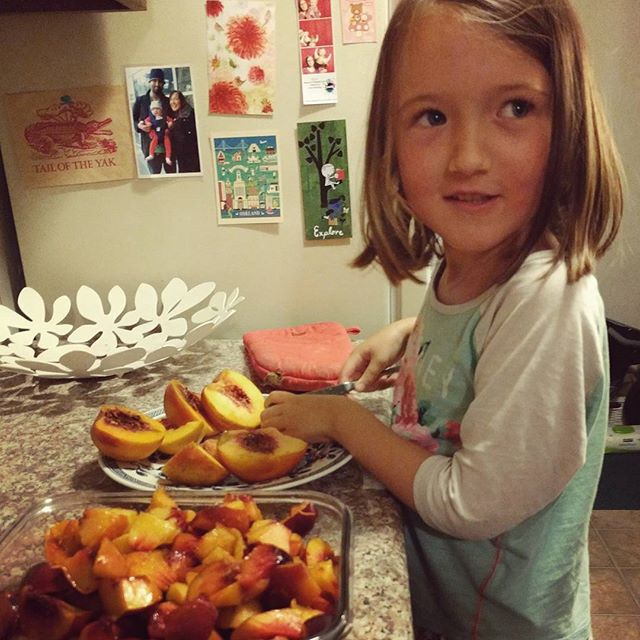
pixel 109 338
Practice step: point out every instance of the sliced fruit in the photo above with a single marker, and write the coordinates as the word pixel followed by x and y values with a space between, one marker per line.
pixel 44 617
pixel 182 405
pixel 272 533
pixel 221 537
pixel 126 434
pixel 128 594
pixel 177 592
pixel 62 540
pixel 153 565
pixel 194 620
pixel 180 437
pixel 286 623
pixel 217 583
pixel 301 518
pixel 109 562
pixel 43 578
pixel 247 502
pixel 102 629
pixel 317 550
pixel 103 522
pixel 208 517
pixel 293 580
pixel 233 617
pixel 161 499
pixel 232 401
pixel 8 613
pixel 148 532
pixel 257 566
pixel 195 467
pixel 257 455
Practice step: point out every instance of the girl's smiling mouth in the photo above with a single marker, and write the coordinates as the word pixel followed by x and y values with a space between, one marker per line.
pixel 472 198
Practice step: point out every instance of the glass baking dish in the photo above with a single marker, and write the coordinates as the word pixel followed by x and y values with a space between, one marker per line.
pixel 23 544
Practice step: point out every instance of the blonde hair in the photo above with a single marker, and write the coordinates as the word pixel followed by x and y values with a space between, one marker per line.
pixel 581 201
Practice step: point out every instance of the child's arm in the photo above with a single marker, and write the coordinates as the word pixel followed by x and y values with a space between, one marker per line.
pixel 382 349
pixel 391 459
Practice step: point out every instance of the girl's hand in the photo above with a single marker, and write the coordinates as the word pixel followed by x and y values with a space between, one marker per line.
pixel 369 358
pixel 307 416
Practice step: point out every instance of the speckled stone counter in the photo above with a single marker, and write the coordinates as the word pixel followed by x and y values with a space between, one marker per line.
pixel 45 450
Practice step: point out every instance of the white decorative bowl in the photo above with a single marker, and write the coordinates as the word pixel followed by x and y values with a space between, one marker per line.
pixel 114 340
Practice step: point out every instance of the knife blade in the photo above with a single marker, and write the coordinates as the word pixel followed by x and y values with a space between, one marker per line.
pixel 346 387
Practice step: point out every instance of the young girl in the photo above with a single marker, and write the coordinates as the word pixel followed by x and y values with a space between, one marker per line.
pixel 487 149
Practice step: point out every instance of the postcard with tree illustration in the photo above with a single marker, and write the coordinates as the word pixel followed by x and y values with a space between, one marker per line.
pixel 324 178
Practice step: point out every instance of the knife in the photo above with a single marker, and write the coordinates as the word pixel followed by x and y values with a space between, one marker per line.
pixel 345 387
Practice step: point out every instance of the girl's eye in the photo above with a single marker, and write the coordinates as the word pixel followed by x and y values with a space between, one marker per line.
pixel 433 118
pixel 517 108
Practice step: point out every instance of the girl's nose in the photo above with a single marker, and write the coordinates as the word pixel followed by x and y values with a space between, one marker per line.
pixel 469 151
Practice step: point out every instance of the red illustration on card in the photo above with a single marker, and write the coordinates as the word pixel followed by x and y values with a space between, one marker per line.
pixel 66 129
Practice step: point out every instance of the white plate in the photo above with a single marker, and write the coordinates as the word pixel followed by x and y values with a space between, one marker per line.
pixel 320 460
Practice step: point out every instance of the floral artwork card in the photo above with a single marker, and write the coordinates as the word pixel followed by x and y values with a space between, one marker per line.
pixel 241 55
pixel 71 136
pixel 324 179
pixel 358 21
pixel 317 61
pixel 247 178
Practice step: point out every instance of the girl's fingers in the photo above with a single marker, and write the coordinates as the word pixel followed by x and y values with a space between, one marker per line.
pixel 276 397
pixel 369 379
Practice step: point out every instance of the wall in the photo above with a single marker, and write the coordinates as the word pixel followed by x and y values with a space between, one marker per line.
pixel 151 230
pixel 125 232
pixel 613 34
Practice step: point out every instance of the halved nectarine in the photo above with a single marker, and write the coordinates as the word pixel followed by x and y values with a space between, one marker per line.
pixel 126 434
pixel 257 455
pixel 232 401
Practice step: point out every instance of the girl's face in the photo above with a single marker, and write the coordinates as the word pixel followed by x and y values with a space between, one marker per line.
pixel 473 133
pixel 174 102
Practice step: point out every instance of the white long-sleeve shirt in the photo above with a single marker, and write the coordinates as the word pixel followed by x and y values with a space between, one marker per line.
pixel 510 391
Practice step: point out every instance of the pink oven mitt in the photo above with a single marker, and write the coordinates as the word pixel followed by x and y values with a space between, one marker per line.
pixel 301 358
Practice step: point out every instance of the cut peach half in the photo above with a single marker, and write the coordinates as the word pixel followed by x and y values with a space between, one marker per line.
pixel 256 455
pixel 232 401
pixel 181 405
pixel 180 437
pixel 193 466
pixel 126 434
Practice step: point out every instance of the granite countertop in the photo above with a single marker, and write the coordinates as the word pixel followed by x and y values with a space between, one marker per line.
pixel 45 450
